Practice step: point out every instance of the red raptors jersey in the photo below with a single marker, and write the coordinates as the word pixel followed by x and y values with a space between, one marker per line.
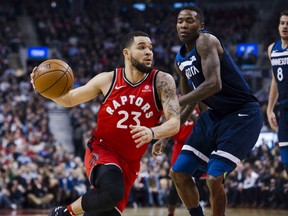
pixel 127 104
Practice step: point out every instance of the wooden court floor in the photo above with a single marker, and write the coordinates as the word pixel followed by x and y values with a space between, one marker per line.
pixel 159 212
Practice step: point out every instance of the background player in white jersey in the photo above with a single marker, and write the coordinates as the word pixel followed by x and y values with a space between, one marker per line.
pixel 278 54
pixel 134 99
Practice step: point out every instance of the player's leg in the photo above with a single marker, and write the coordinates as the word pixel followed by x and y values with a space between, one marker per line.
pixel 217 197
pixel 236 136
pixel 108 191
pixel 192 162
pixel 186 187
pixel 172 199
pixel 283 137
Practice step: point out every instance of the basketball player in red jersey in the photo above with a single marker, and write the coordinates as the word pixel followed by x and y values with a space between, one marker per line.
pixel 134 99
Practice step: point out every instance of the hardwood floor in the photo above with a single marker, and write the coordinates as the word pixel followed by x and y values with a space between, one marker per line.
pixel 158 212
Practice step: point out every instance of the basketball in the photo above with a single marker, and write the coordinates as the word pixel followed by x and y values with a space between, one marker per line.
pixel 53 78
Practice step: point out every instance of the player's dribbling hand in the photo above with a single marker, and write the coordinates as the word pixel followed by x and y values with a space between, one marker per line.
pixel 32 77
pixel 141 135
pixel 158 147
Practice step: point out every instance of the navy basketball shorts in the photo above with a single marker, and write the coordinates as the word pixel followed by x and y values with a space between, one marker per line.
pixel 217 144
pixel 283 135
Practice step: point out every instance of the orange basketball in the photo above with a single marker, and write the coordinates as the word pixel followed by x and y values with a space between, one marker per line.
pixel 53 78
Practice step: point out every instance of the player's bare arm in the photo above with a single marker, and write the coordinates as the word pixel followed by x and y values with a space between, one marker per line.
pixel 210 50
pixel 166 89
pixel 100 84
pixel 273 96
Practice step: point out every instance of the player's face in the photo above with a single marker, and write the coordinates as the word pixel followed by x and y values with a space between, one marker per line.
pixel 188 25
pixel 283 27
pixel 142 54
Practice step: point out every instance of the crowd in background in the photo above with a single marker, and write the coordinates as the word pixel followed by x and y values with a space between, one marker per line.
pixel 37 172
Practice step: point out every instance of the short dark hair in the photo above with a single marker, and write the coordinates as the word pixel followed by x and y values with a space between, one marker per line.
pixel 196 9
pixel 284 13
pixel 129 38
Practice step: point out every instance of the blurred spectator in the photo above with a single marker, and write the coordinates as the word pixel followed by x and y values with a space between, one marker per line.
pixel 5 201
pixel 249 186
pixel 38 195
pixel 16 193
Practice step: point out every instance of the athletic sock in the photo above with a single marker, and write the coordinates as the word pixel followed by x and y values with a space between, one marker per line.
pixel 198 211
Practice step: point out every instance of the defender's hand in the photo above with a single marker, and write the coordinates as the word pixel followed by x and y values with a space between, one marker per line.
pixel 158 147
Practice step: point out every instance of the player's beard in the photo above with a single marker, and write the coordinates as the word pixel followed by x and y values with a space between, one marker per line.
pixel 141 67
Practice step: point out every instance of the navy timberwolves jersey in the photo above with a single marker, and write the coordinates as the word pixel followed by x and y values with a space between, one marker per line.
pixel 279 62
pixel 235 90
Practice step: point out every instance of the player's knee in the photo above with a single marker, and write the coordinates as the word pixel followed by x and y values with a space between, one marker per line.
pixel 113 183
pixel 108 191
pixel 214 182
pixel 178 177
pixel 117 192
pixel 173 175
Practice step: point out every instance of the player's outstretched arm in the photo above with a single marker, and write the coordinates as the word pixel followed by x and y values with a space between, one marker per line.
pixel 97 85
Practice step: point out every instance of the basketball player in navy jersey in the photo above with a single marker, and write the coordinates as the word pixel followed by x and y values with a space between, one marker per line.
pixel 135 97
pixel 278 54
pixel 225 133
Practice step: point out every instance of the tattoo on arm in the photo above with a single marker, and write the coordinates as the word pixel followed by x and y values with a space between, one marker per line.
pixel 166 89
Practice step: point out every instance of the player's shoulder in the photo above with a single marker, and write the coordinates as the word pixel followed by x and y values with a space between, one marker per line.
pixel 270 47
pixel 207 37
pixel 207 40
pixel 164 81
pixel 163 76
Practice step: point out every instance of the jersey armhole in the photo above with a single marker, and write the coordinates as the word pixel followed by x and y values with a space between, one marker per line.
pixel 273 47
pixel 111 86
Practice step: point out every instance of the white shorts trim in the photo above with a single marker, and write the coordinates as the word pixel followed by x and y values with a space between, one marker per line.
pixel 227 155
pixel 196 152
pixel 282 144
